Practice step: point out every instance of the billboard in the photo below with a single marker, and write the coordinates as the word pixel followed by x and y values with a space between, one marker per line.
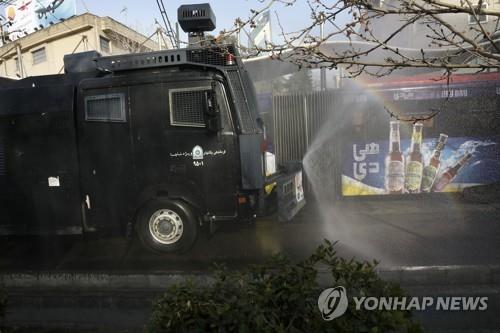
pixel 416 165
pixel 27 16
pixel 261 33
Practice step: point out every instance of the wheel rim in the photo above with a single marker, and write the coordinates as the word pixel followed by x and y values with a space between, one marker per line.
pixel 165 226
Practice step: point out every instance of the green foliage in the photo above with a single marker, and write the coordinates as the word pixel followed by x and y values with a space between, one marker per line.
pixel 279 296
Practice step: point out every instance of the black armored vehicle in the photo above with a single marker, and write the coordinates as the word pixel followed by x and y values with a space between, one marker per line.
pixel 158 144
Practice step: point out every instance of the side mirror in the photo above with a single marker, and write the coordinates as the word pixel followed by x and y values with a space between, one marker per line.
pixel 212 115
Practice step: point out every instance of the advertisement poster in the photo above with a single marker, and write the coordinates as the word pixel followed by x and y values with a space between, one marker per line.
pixel 370 168
pixel 27 16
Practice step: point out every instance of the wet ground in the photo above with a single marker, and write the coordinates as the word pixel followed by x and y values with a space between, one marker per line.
pixel 408 232
pixel 442 231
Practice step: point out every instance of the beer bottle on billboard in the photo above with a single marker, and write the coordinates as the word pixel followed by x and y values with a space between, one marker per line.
pixel 414 165
pixel 394 162
pixel 430 171
pixel 449 174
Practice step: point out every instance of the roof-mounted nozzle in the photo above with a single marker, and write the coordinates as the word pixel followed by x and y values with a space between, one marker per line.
pixel 196 20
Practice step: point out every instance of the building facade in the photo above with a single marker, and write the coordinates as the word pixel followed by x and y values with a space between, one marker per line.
pixel 416 34
pixel 42 52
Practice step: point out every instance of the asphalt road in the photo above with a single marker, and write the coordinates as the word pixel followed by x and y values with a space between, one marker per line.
pixel 425 232
pixel 442 231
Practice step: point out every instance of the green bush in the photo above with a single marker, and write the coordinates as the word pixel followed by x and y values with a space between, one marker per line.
pixel 279 296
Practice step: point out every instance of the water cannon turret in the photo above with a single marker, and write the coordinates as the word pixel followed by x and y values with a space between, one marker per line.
pixel 196 19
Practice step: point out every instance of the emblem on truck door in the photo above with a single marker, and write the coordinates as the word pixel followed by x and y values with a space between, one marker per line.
pixel 197 153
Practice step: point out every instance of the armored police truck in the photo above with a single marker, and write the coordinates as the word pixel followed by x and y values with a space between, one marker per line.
pixel 155 144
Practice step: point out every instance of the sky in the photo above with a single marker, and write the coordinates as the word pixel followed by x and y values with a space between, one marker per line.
pixel 141 15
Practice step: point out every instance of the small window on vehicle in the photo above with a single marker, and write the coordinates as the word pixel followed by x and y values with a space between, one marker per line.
pixel 109 108
pixel 186 106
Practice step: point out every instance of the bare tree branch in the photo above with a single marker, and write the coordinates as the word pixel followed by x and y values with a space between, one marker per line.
pixel 459 45
pixel 453 35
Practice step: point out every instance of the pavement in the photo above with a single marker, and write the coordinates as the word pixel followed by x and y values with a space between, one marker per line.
pixel 431 245
pixel 81 302
pixel 397 233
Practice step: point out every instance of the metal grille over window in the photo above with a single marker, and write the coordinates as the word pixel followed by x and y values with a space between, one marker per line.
pixel 240 101
pixel 186 107
pixel 213 56
pixel 39 56
pixel 110 107
pixel 2 158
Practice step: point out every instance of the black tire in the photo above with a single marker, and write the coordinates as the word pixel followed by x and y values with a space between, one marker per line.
pixel 158 226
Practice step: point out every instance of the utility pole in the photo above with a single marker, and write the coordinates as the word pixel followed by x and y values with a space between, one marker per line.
pixel 177 35
pixel 159 36
pixel 1 34
pixel 22 72
pixel 340 77
pixel 238 36
pixel 166 22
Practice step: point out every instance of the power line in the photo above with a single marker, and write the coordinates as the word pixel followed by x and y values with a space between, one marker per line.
pixel 85 6
pixel 82 40
pixel 166 21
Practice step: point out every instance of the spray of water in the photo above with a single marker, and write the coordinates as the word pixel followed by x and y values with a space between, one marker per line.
pixel 362 226
pixel 339 220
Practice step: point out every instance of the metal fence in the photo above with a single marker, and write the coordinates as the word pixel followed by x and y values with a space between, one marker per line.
pixel 297 120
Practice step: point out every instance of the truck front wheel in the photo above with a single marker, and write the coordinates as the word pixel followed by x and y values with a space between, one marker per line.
pixel 167 226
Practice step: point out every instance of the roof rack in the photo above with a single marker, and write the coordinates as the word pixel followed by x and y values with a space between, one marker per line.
pixel 220 55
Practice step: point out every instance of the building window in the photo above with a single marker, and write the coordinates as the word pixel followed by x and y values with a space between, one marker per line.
pixel 377 3
pixel 18 65
pixel 39 56
pixel 187 106
pixel 107 108
pixel 105 45
pixel 481 18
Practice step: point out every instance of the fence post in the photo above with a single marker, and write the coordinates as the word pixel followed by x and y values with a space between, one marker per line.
pixel 306 124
